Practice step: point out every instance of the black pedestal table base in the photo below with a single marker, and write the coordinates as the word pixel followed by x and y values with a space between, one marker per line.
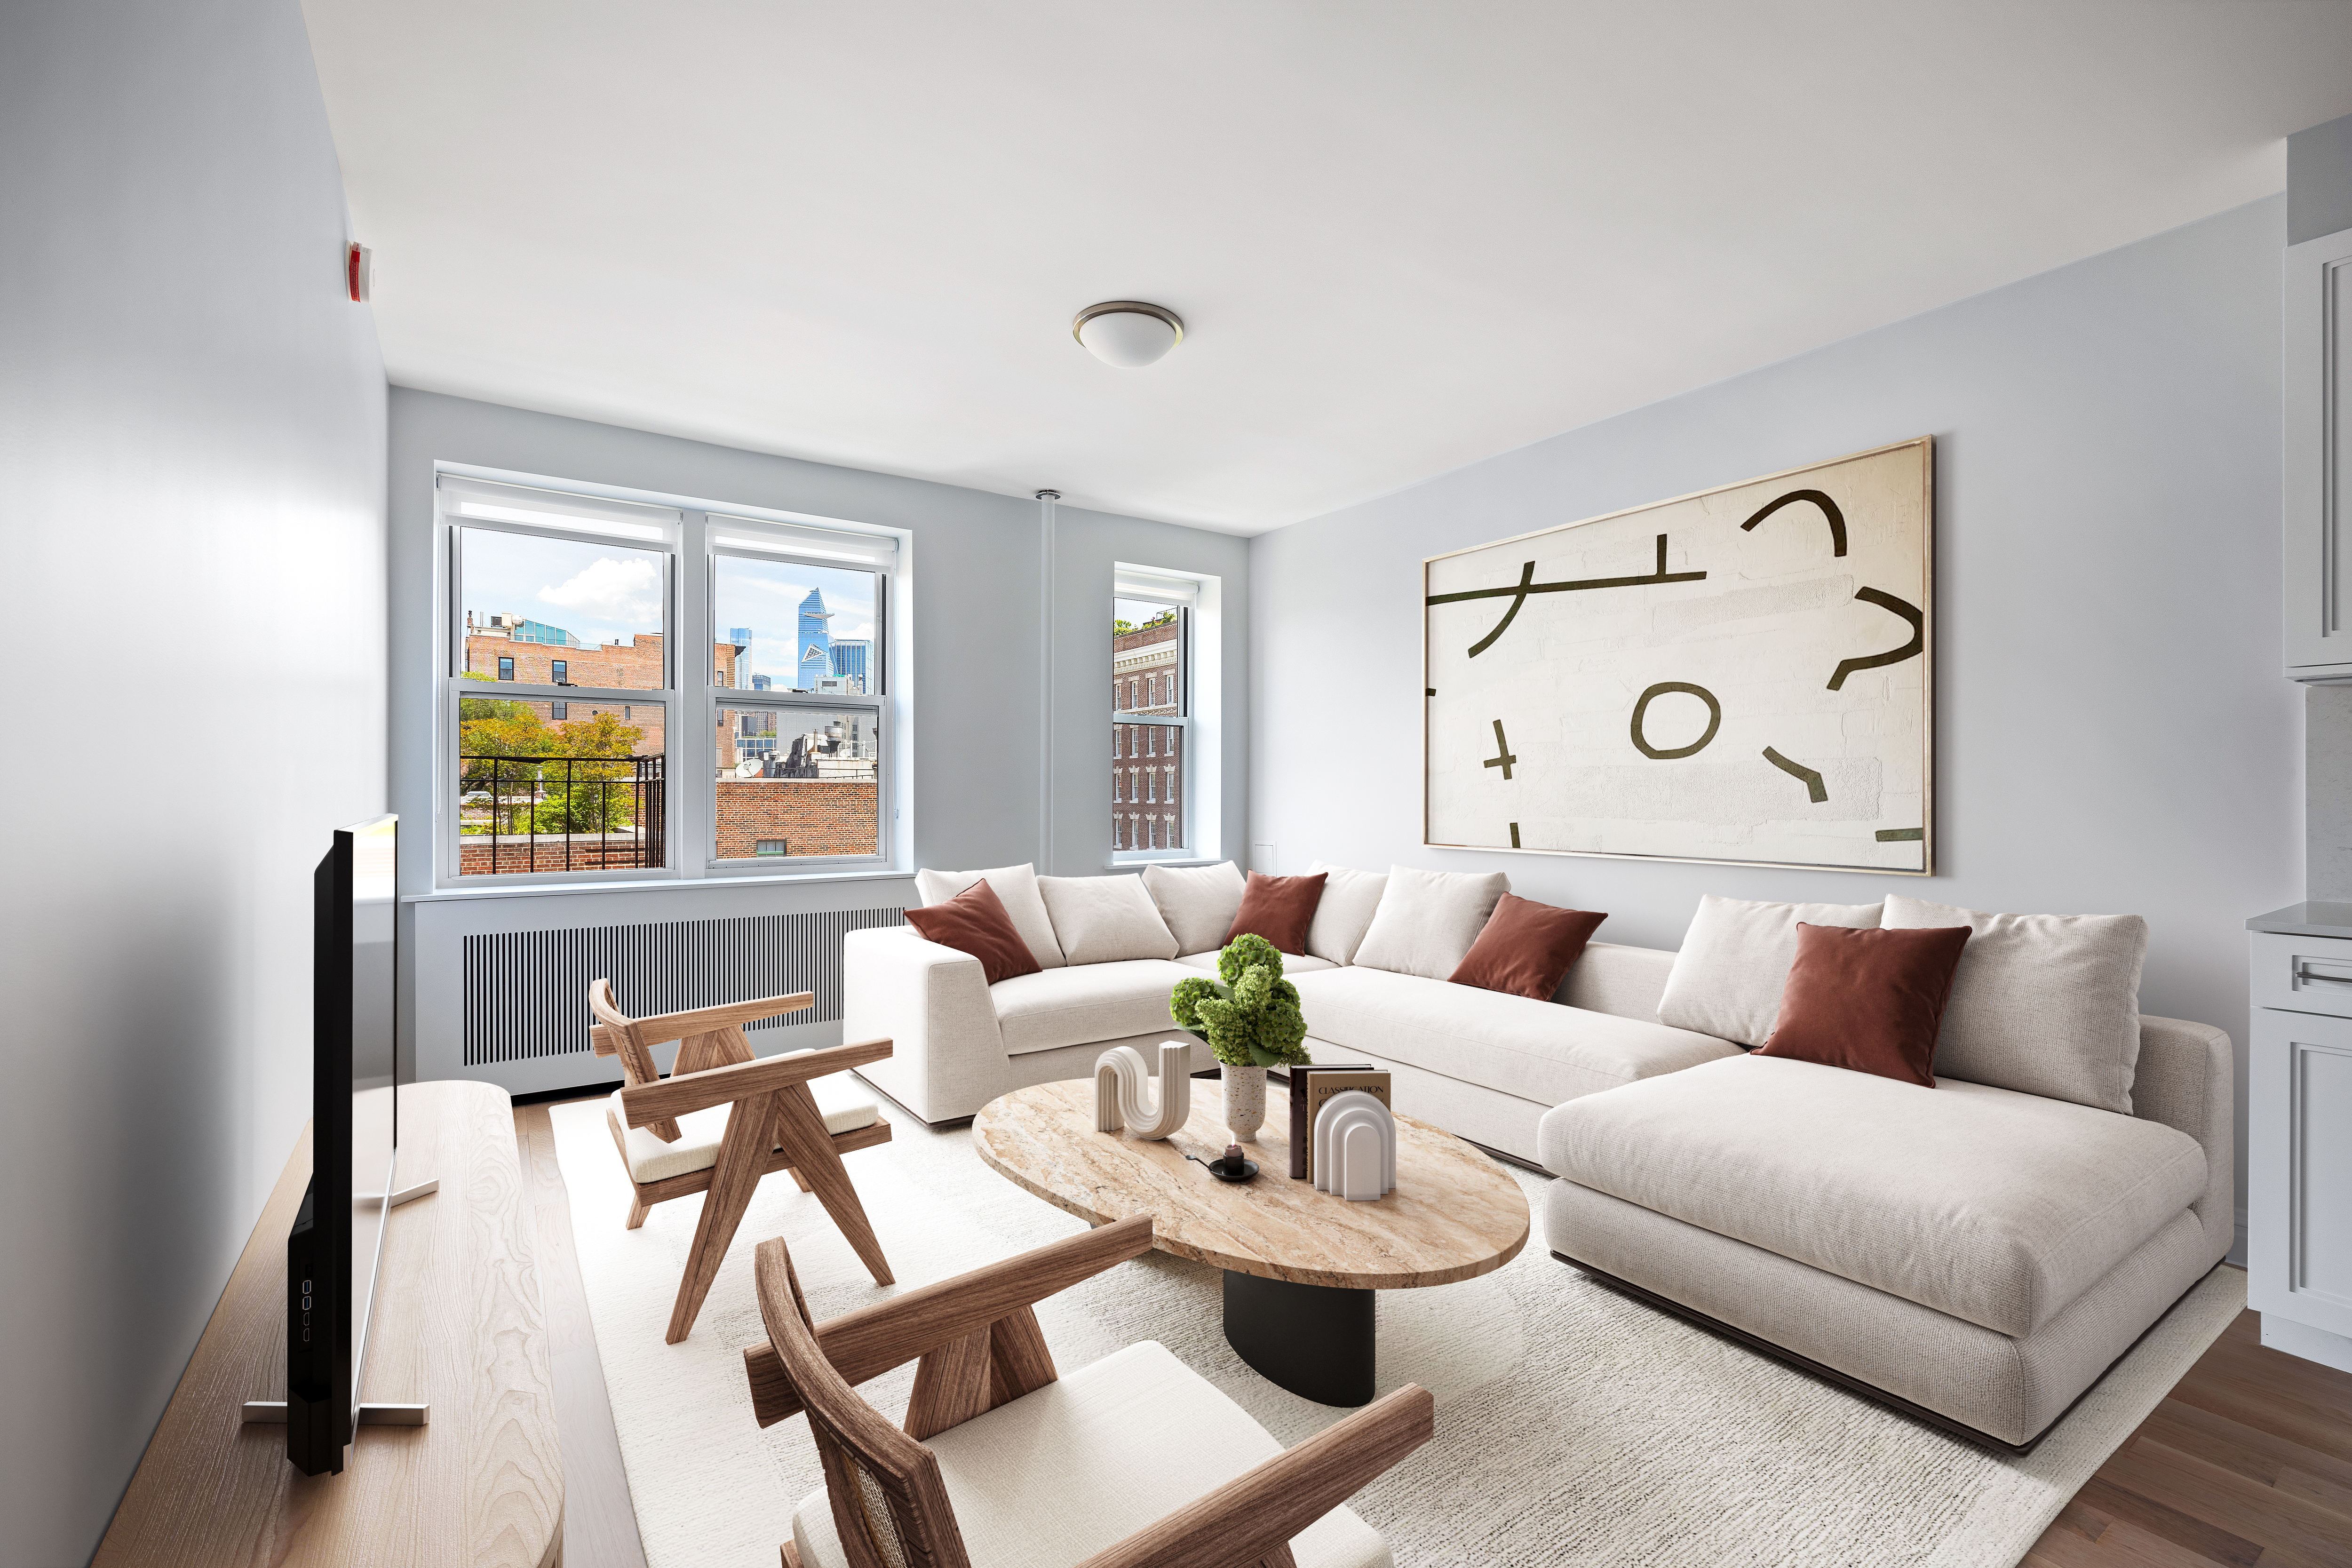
pixel 1314 1340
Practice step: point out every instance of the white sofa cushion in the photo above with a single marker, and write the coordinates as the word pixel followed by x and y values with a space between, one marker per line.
pixel 1102 919
pixel 1086 1002
pixel 1345 913
pixel 1060 1475
pixel 1727 978
pixel 1016 888
pixel 1198 903
pixel 847 1105
pixel 1427 919
pixel 1292 963
pixel 1513 1045
pixel 1993 1206
pixel 2045 1004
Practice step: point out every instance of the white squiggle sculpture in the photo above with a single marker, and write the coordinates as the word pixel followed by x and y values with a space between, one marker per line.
pixel 1355 1147
pixel 1123 1080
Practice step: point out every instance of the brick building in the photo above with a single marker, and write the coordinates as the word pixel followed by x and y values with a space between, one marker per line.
pixel 1147 770
pixel 511 648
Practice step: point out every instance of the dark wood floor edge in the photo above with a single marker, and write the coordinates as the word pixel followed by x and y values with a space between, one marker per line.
pixel 1869 1390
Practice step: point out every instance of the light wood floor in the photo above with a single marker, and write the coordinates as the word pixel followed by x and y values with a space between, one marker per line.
pixel 2248 1461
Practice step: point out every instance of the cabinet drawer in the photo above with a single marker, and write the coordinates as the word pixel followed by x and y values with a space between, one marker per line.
pixel 2306 973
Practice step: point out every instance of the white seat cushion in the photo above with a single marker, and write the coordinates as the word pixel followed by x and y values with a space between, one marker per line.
pixel 1993 1206
pixel 1513 1045
pixel 1085 1003
pixel 1292 962
pixel 1085 1462
pixel 846 1103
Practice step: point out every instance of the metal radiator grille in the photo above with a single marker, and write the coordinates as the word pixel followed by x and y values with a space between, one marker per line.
pixel 527 991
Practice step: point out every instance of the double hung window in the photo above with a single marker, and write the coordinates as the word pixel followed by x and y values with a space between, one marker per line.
pixel 1151 650
pixel 586 611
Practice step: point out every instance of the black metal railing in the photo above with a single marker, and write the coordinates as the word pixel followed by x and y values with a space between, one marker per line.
pixel 605 812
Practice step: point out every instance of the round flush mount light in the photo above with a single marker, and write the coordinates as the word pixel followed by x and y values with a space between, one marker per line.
pixel 1128 333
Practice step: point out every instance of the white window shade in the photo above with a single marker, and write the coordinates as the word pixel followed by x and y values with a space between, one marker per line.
pixel 483 501
pixel 872 551
pixel 1134 583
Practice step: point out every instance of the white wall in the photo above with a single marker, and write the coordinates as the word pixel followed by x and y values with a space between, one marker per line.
pixel 2113 731
pixel 192 479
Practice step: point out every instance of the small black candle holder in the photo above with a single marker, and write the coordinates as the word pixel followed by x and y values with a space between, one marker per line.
pixel 1231 1168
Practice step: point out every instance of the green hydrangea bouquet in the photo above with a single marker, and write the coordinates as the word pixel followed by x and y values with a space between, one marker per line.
pixel 1249 1014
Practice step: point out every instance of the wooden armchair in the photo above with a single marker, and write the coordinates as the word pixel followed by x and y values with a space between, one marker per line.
pixel 674 1140
pixel 1133 1462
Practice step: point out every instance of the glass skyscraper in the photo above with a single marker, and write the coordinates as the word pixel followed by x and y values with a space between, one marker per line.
pixel 816 642
pixel 850 656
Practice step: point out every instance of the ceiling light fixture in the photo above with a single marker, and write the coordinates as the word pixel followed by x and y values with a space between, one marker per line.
pixel 1128 333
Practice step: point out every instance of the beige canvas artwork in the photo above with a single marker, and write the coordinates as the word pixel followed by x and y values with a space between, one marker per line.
pixel 1742 675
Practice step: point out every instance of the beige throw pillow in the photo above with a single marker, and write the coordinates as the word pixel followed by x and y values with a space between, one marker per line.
pixel 1016 888
pixel 1427 919
pixel 1198 903
pixel 1350 898
pixel 1103 920
pixel 1727 978
pixel 2045 1004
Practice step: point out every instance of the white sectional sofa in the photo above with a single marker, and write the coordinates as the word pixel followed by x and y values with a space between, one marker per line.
pixel 1977 1256
pixel 1478 1063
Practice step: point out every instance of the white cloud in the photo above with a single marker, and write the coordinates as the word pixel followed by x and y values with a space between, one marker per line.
pixel 863 631
pixel 627 593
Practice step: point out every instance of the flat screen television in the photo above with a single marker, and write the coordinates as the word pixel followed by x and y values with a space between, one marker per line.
pixel 332 1252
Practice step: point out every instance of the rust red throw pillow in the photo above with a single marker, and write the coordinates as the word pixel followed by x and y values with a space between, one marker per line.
pixel 1278 908
pixel 975 921
pixel 1525 948
pixel 1869 1001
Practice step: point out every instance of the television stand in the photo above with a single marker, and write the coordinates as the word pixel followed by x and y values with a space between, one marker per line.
pixel 274 1410
pixel 457 1327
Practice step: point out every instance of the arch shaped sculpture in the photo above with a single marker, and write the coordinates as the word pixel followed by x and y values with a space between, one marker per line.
pixel 1355 1147
pixel 1123 1087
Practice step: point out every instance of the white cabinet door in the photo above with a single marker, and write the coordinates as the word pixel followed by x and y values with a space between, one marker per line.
pixel 2318 479
pixel 2299 1169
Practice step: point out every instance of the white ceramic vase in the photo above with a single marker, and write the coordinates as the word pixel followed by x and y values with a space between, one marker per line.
pixel 1244 1100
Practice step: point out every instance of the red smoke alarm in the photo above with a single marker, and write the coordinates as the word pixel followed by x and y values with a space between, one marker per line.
pixel 357 262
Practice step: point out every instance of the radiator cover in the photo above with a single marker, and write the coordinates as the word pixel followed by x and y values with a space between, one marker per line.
pixel 526 992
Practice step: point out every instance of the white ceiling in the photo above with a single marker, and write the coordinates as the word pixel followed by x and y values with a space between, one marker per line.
pixel 1403 237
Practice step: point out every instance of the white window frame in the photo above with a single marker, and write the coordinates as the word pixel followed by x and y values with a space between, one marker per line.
pixel 691 538
pixel 1182 594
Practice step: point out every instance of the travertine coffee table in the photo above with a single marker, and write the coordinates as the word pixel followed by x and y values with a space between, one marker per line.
pixel 1300 1265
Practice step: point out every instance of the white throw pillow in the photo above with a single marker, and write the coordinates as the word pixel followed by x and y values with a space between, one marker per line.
pixel 1734 962
pixel 1102 919
pixel 1427 919
pixel 1016 889
pixel 1199 902
pixel 1345 914
pixel 2045 1004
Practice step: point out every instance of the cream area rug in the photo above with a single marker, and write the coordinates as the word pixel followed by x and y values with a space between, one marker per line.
pixel 1573 1426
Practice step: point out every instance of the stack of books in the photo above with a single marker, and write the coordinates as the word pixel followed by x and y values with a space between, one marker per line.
pixel 1310 1087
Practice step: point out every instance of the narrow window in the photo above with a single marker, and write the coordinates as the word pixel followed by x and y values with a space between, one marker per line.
pixel 559 709
pixel 505 668
pixel 561 666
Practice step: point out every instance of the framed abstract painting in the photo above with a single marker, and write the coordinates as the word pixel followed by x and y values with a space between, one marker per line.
pixel 1744 675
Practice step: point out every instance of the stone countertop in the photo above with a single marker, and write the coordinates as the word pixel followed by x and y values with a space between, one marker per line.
pixel 2306 919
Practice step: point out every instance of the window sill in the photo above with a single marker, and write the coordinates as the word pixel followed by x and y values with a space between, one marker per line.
pixel 665 884
pixel 1179 862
